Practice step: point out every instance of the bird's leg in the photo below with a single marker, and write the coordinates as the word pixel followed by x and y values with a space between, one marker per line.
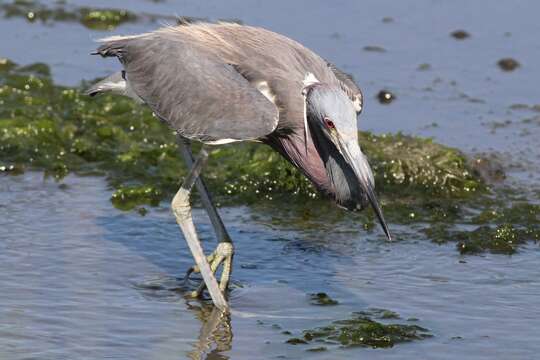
pixel 222 255
pixel 182 211
pixel 225 251
pixel 206 199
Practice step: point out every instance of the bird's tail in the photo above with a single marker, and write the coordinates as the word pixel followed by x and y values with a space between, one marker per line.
pixel 110 47
pixel 115 83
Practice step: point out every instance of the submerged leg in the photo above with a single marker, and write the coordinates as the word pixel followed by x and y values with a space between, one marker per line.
pixel 222 255
pixel 225 251
pixel 182 211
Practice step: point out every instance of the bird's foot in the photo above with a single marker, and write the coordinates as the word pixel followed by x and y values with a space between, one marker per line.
pixel 223 254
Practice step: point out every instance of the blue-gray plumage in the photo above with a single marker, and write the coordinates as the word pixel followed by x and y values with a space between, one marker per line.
pixel 220 83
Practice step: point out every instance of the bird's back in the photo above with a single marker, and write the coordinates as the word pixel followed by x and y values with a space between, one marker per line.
pixel 265 58
pixel 256 51
pixel 219 82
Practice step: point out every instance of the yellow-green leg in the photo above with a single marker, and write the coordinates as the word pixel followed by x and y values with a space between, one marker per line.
pixel 223 254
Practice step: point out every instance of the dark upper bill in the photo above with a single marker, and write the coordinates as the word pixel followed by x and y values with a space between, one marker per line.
pixel 358 162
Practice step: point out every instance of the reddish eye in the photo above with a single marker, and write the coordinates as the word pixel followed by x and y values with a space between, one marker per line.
pixel 329 123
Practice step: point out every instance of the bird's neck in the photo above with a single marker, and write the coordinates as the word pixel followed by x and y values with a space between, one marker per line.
pixel 304 156
pixel 327 172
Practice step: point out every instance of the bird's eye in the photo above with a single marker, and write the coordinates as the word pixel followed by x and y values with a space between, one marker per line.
pixel 329 123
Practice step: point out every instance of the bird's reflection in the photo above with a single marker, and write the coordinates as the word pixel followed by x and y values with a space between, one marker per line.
pixel 216 334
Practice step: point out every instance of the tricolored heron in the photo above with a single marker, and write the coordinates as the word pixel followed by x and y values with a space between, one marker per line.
pixel 223 83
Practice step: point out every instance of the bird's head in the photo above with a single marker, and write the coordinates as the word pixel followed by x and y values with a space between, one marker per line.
pixel 331 121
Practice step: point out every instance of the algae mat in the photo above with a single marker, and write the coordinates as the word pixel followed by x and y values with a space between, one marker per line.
pixel 59 130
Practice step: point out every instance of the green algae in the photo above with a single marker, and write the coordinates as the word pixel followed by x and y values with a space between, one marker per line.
pixel 104 19
pixel 495 225
pixel 58 130
pixel 503 239
pixel 405 163
pixel 6 65
pixel 127 198
pixel 322 299
pixel 96 19
pixel 360 330
pixel 516 213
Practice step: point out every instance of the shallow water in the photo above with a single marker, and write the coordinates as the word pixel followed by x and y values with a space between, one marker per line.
pixel 83 280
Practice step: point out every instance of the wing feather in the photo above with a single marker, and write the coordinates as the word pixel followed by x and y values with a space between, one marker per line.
pixel 194 91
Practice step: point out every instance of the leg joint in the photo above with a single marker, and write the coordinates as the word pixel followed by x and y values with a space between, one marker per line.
pixel 225 249
pixel 180 204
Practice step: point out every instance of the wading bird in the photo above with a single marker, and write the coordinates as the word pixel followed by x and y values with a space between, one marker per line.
pixel 223 83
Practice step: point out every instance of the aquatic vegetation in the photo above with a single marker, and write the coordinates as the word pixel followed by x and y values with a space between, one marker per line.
pixel 58 130
pixel 503 239
pixel 518 212
pixel 92 18
pixel 508 64
pixel 104 19
pixel 322 299
pixel 96 19
pixel 488 167
pixel 502 228
pixel 126 198
pixel 460 34
pixel 359 330
pixel 405 163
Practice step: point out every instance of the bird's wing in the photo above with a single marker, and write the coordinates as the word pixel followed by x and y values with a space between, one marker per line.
pixel 195 92
pixel 348 85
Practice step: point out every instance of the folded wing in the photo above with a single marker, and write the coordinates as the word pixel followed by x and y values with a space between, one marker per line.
pixel 194 91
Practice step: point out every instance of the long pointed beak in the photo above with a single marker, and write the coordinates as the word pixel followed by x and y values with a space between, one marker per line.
pixel 358 162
